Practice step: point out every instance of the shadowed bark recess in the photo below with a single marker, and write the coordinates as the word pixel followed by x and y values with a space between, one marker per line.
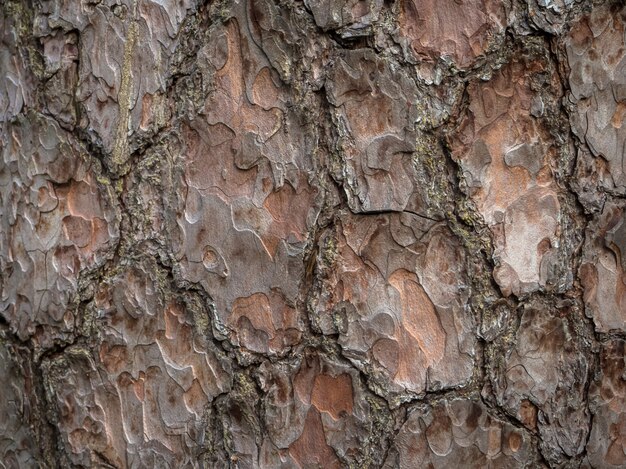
pixel 312 234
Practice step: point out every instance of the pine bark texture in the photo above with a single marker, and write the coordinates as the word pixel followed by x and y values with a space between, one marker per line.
pixel 312 234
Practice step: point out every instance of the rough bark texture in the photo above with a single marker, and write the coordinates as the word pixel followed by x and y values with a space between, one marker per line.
pixel 315 234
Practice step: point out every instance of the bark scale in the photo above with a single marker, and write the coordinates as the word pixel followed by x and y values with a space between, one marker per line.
pixel 351 233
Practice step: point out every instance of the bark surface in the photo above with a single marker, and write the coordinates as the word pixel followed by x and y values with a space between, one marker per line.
pixel 312 233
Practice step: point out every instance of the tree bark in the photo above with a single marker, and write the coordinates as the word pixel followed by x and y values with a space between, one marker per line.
pixel 285 233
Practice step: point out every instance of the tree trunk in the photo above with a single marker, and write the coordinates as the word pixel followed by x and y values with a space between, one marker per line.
pixel 315 234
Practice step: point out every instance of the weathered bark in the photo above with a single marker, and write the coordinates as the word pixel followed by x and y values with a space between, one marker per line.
pixel 347 233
